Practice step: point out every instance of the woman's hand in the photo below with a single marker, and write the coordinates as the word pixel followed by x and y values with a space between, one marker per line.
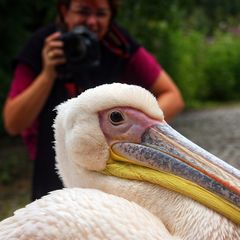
pixel 52 55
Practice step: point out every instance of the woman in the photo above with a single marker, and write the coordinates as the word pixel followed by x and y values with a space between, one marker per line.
pixel 37 88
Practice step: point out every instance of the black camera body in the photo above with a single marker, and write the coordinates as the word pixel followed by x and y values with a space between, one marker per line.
pixel 81 50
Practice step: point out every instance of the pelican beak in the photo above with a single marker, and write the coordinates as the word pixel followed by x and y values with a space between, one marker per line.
pixel 167 158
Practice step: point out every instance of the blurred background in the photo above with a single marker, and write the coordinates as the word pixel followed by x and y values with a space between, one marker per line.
pixel 196 41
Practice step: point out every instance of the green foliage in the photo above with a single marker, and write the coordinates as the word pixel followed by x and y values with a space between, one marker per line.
pixel 222 67
pixel 203 68
pixel 15 176
pixel 186 66
pixel 14 162
pixel 10 169
pixel 193 41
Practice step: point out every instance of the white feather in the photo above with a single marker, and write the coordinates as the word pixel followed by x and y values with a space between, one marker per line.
pixel 82 214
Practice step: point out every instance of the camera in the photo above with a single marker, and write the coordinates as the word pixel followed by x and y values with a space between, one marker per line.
pixel 81 50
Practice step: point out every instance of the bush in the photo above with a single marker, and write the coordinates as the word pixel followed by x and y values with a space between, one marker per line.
pixel 192 44
pixel 183 58
pixel 222 67
pixel 204 68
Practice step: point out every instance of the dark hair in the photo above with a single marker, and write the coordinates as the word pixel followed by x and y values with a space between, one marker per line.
pixel 114 5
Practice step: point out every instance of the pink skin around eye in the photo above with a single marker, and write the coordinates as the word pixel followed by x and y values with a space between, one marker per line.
pixel 131 128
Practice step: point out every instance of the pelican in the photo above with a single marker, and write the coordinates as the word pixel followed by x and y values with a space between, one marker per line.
pixel 114 138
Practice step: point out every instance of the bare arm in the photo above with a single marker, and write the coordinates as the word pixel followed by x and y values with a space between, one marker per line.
pixel 168 95
pixel 19 112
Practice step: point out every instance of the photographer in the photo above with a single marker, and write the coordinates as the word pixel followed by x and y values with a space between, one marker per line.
pixel 43 78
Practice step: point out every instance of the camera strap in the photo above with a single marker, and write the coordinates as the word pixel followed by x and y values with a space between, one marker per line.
pixel 116 42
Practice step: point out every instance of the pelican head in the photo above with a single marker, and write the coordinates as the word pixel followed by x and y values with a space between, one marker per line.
pixel 80 141
pixel 115 136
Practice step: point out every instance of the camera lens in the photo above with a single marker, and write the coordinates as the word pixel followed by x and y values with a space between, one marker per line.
pixel 81 50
